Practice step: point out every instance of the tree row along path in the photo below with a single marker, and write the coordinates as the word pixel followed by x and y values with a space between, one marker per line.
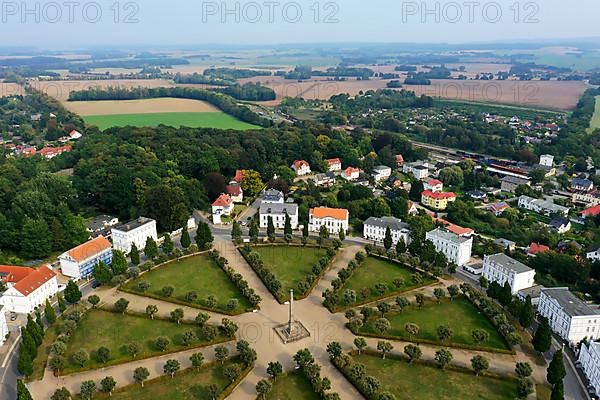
pixel 257 329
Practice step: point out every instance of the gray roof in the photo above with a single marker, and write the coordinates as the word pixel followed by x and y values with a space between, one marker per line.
pixel 272 195
pixel 515 180
pixel 508 263
pixel 448 236
pixel 381 168
pixel 559 222
pixel 98 222
pixel 533 292
pixel 279 209
pixel 394 224
pixel 504 242
pixel 129 226
pixel 569 302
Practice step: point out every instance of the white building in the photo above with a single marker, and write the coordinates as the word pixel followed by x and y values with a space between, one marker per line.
pixel 569 317
pixel 381 173
pixel 272 196
pixel 593 254
pixel 589 362
pixel 301 167
pixel 501 268
pixel 30 291
pixel 545 207
pixel 375 228
pixel 419 169
pixel 350 174
pixel 334 219
pixel 80 261
pixel 433 185
pixel 547 160
pixel 278 212
pixel 334 164
pixel 3 326
pixel 456 248
pixel 223 206
pixel 136 231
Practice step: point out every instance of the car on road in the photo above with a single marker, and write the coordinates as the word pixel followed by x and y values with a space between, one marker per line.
pixel 244 223
pixel 95 285
pixel 13 316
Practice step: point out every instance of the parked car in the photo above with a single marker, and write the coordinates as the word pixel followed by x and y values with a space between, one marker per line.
pixel 13 316
pixel 96 285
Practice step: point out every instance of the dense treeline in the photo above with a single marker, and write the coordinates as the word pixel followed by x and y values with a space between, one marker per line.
pixel 234 74
pixel 249 92
pixel 197 78
pixel 226 103
pixel 380 99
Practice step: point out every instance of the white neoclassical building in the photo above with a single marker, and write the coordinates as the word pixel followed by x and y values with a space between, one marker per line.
pixel 568 316
pixel 374 229
pixel 277 212
pixel 334 219
pixel 31 290
pixel 589 362
pixel 3 326
pixel 456 248
pixel 501 268
pixel 137 231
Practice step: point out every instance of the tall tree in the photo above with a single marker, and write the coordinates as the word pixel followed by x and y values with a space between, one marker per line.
pixel 185 238
pixel 167 244
pixel 22 391
pixel 387 240
pixel 252 183
pixel 151 249
pixel 35 239
pixel 72 292
pixel 119 263
pixel 542 339
pixel 254 230
pixel 215 185
pixel 236 232
pixel 168 205
pixel 204 236
pixel 270 229
pixel 527 313
pixel 134 255
pixel 102 273
pixel 556 370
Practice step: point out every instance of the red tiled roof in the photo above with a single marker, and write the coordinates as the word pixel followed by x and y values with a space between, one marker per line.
pixel 536 248
pixel 438 195
pixel 234 190
pixel 326 212
pixel 48 151
pixel 434 182
pixel 334 161
pixel 456 229
pixel 300 163
pixel 351 170
pixel 223 201
pixel 399 158
pixel 12 274
pixel 89 249
pixel 33 281
pixel 591 212
pixel 239 176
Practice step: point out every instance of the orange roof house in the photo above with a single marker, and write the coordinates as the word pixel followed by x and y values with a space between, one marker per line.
pixel 11 275
pixel 34 280
pixel 335 164
pixel 224 200
pixel 334 219
pixel 536 248
pixel 239 176
pixel 591 212
pixel 80 261
pixel 399 160
pixel 31 290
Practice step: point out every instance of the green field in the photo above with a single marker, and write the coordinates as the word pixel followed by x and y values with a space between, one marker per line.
pixel 217 120
pixel 199 274
pixel 462 317
pixel 595 122
pixel 99 328
pixel 290 264
pixel 423 382
pixel 187 385
pixel 375 270
pixel 293 386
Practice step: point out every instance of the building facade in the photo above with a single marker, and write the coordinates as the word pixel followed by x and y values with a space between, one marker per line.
pixel 136 231
pixel 223 206
pixel 31 291
pixel 433 185
pixel 3 326
pixel 381 173
pixel 511 183
pixel 374 229
pixel 301 167
pixel 501 268
pixel 278 212
pixel 568 316
pixel 334 164
pixel 437 200
pixel 80 261
pixel 545 207
pixel 272 196
pixel 589 362
pixel 334 219
pixel 456 248
pixel 350 174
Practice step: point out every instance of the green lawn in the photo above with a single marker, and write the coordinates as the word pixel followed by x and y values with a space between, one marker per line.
pixel 423 382
pixel 199 274
pixel 290 264
pixel 99 328
pixel 462 317
pixel 218 120
pixel 595 122
pixel 293 386
pixel 376 270
pixel 187 385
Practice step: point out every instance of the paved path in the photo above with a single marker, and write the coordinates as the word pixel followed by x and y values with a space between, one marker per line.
pixel 257 328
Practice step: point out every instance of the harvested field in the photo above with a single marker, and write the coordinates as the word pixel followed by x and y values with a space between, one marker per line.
pixel 10 89
pixel 552 95
pixel 146 106
pixel 61 89
pixel 595 122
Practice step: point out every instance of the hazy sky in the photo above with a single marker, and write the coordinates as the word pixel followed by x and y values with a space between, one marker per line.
pixel 177 22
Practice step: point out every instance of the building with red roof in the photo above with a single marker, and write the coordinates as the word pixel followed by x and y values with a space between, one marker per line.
pixel 51 152
pixel 30 291
pixel 301 167
pixel 80 261
pixel 399 160
pixel 223 206
pixel 350 174
pixel 591 212
pixel 239 176
pixel 334 219
pixel 437 200
pixel 536 248
pixel 235 192
pixel 335 164
pixel 433 185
